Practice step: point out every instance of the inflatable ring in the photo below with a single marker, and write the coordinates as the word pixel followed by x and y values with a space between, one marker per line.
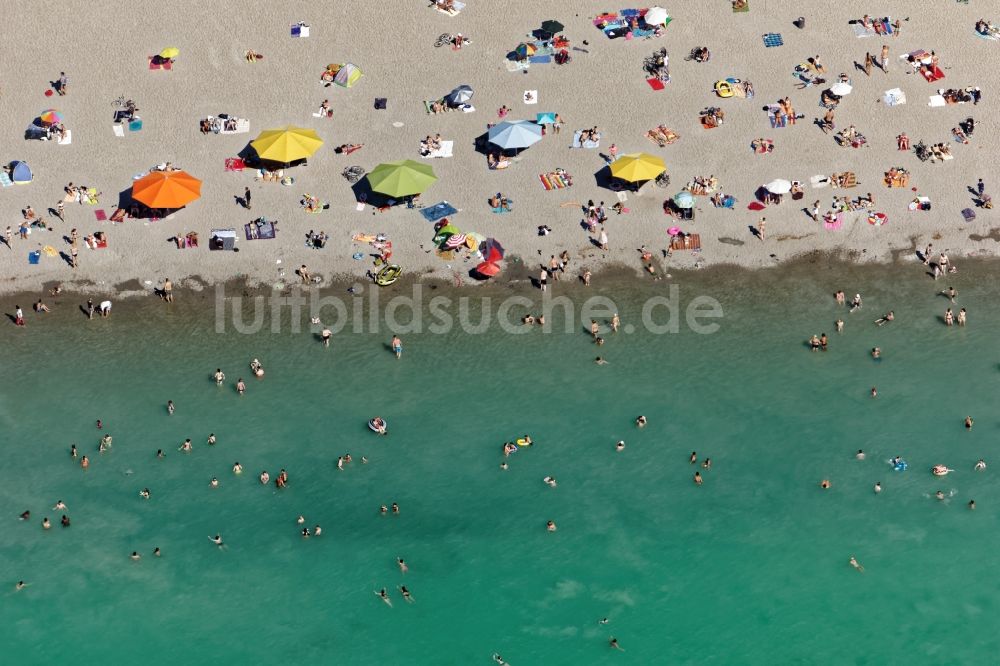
pixel 378 425
pixel 523 442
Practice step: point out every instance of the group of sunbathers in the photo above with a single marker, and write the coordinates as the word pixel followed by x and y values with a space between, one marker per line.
pixel 590 135
pixel 430 144
pixel 662 135
pixel 984 27
pixel 963 132
pixel 712 117
pixel 961 95
pixel 700 185
pixel 851 137
pixel 499 202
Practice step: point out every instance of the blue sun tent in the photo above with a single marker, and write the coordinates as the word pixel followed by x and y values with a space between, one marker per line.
pixel 20 173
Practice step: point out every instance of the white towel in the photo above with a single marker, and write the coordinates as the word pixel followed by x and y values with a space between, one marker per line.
pixel 937 100
pixel 530 97
pixel 68 140
pixel 118 130
pixel 444 151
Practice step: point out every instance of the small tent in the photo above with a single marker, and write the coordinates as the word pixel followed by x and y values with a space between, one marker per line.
pixel 20 173
pixel 348 75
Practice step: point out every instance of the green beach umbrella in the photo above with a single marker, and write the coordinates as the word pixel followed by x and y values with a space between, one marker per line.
pixel 401 179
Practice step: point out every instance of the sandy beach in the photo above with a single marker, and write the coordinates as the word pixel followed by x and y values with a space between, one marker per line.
pixel 105 55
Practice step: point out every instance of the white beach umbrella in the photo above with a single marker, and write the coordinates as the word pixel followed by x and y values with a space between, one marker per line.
pixel 655 16
pixel 779 186
pixel 841 88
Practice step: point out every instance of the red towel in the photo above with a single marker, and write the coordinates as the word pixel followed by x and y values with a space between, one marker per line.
pixel 655 83
pixel 100 215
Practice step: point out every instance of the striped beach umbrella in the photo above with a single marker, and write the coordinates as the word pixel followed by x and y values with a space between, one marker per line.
pixel 50 117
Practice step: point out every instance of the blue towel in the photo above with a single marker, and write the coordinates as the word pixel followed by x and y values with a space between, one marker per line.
pixel 773 39
pixel 628 13
pixel 539 59
pixel 437 211
pixel 34 257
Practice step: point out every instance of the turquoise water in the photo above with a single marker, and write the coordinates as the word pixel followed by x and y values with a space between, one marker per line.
pixel 749 568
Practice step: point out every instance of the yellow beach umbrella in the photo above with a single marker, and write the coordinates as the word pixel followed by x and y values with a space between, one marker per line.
pixel 636 167
pixel 170 52
pixel 286 144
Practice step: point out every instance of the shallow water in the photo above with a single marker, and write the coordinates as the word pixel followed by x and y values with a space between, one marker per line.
pixel 751 567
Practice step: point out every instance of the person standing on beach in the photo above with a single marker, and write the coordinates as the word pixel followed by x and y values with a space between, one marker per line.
pixel 760 228
pixel 868 64
pixel 63 84
pixel 603 239
pixel 884 58
pixel 543 278
pixel 73 256
pixel 61 210
pixel 18 316
pixel 8 237
pixel 814 212
pixel 981 188
pixel 397 346
pixel 168 290
pixel 246 198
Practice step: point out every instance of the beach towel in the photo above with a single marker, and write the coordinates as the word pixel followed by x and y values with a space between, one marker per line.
pixel 861 31
pixel 118 130
pixel 438 211
pixel 501 210
pixel 553 181
pixel 444 151
pixel 458 7
pixel 932 74
pixel 837 223
pixel 968 214
pixel 68 139
pixel 655 83
pixel 585 144
pixel 100 215
pixel 517 65
pixel 540 59
pixel 34 257
pixel 894 97
pixel 819 181
pixel 262 230
pixel 937 100
pixel 235 164
pixel 773 39
pixel 5 180
pixel 300 30
pixel 988 36
pixel 530 97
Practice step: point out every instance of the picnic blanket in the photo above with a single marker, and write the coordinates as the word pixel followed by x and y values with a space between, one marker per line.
pixel 435 212
pixel 260 230
pixel 444 151
pixel 585 144
pixel 554 181
pixel 773 39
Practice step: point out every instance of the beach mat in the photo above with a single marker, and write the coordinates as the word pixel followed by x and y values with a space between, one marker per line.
pixel 655 84
pixel 540 59
pixel 100 215
pixel 553 181
pixel 773 39
pixel 437 211
pixel 34 257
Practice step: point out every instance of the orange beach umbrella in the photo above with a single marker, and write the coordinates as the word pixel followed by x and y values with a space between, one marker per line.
pixel 166 189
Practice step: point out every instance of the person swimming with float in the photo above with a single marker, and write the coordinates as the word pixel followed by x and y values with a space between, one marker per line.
pixel 257 368
pixel 378 425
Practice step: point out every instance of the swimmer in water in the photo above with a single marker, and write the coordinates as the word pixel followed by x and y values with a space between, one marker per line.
pixel 264 477
pixel 102 447
pixel 697 479
pixel 60 506
pixel 20 585
pixel 972 505
pixel 854 563
pixel 878 487
pixel 550 481
pixel 397 346
pixel 497 658
pixel 300 520
pixel 305 532
pixel 237 468
pixel 317 530
pixel 340 463
pixel 825 484
pixel 257 368
pixel 211 439
pixel 84 463
pixel 707 464
pixel 603 620
pixel 860 455
pixel 214 483
pixel 220 376
pixel 99 424
pixel 550 526
pixel 694 457
pixel 406 594
pixel 600 361
pixel 939 495
pixel 620 446
pixel 402 565
pixel 186 447
pixel 217 540
pixel 968 423
pixel 840 325
pixel 874 392
pixel 384 510
pixel 364 460
pixel 981 465
pixel 504 466
pixel 160 453
pixel 170 407
pixel 613 643
pixel 641 421
pixel 876 352
pixel 395 509
pixel 144 493
pixel 135 557
pixel 240 386
pixel 384 596
pixel 72 451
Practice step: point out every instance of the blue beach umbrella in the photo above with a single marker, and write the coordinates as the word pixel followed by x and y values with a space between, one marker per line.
pixel 545 118
pixel 684 199
pixel 512 135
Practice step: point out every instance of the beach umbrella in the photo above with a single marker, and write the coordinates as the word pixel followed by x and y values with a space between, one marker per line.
pixel 348 75
pixel 488 269
pixel 684 199
pixel 170 52
pixel 515 134
pixel 492 250
pixel 286 144
pixel 636 167
pixel 401 179
pixel 841 88
pixel 524 49
pixel 166 189
pixel 655 16
pixel 50 117
pixel 552 27
pixel 779 186
pixel 545 118
pixel 455 241
pixel 20 173
pixel 459 95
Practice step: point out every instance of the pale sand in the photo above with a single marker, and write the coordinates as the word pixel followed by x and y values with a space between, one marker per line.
pixel 104 46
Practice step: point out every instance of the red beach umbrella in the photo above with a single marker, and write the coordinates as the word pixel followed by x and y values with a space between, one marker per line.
pixel 488 268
